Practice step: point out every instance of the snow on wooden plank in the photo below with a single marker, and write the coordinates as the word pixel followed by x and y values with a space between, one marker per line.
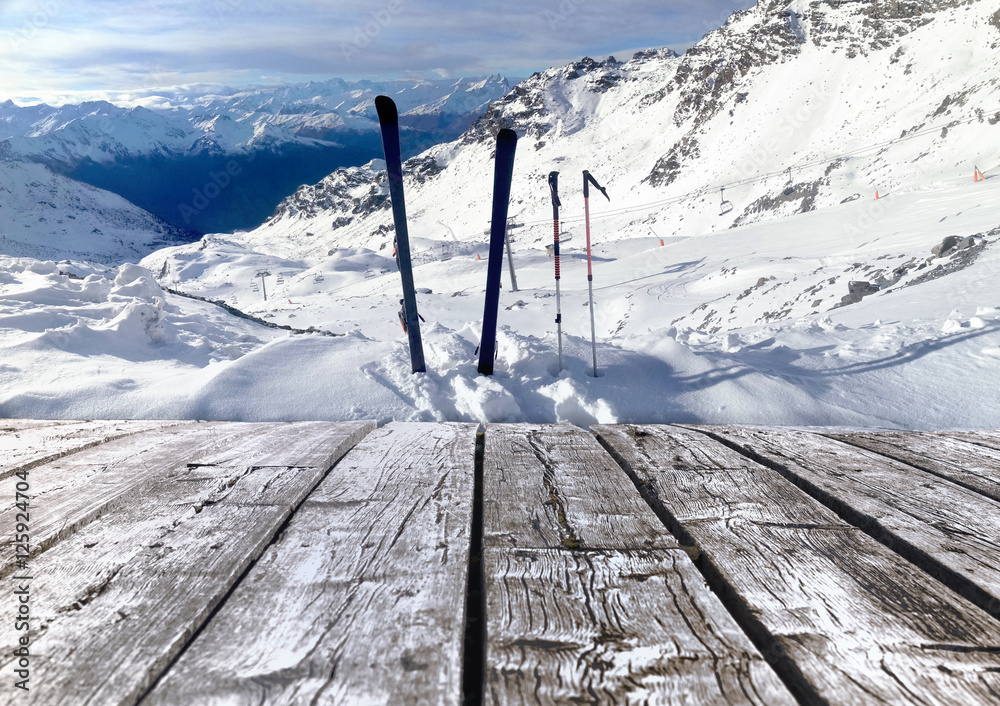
pixel 989 439
pixel 951 531
pixel 970 465
pixel 362 598
pixel 589 597
pixel 67 493
pixel 115 603
pixel 285 444
pixel 27 443
pixel 842 618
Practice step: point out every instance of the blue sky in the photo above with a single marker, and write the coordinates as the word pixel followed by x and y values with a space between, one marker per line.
pixel 66 50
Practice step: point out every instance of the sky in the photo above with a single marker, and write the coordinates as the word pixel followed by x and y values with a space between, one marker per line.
pixel 61 51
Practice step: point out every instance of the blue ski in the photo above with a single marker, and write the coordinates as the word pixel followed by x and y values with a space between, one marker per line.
pixel 502 177
pixel 388 119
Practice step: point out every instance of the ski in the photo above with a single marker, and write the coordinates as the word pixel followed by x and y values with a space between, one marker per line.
pixel 587 181
pixel 388 119
pixel 503 174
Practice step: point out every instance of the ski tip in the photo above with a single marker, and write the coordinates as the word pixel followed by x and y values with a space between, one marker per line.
pixel 386 109
pixel 506 135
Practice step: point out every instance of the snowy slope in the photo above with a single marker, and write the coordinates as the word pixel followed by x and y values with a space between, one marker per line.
pixel 48 216
pixel 918 354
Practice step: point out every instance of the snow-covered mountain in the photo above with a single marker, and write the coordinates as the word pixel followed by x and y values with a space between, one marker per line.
pixel 280 137
pixel 791 106
pixel 47 216
pixel 809 303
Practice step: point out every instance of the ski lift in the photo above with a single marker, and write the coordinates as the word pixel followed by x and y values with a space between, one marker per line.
pixel 385 270
pixel 726 206
pixel 789 188
pixel 318 279
pixel 564 237
pixel 369 274
pixel 281 278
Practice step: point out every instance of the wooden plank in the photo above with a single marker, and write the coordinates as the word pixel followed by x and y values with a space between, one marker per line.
pixel 989 439
pixel 77 488
pixel 577 495
pixel 362 598
pixel 970 465
pixel 27 443
pixel 844 619
pixel 589 597
pixel 948 529
pixel 286 444
pixel 114 604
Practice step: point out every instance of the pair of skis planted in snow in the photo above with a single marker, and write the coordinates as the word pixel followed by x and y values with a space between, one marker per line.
pixel 504 171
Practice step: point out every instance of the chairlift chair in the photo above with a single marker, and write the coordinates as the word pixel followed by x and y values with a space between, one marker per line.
pixel 789 187
pixel 726 206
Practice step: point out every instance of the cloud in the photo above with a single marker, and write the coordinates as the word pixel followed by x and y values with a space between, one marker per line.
pixel 59 46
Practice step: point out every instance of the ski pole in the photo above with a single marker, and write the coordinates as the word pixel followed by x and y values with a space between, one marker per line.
pixel 510 264
pixel 554 188
pixel 587 181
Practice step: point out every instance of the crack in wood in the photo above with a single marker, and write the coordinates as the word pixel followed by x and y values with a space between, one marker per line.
pixel 567 534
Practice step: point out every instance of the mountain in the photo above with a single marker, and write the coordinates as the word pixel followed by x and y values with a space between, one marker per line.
pixel 810 303
pixel 47 216
pixel 162 153
pixel 791 106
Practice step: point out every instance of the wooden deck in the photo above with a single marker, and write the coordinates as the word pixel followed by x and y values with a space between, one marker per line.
pixel 336 563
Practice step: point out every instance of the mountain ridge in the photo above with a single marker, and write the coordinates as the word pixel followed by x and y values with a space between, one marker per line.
pixel 785 94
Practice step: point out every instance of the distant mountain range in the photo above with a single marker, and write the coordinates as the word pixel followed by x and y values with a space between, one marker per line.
pixel 221 159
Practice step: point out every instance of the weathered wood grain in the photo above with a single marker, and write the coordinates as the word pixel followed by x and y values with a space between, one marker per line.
pixel 115 603
pixel 589 597
pixel 970 465
pixel 77 488
pixel 951 530
pixel 27 443
pixel 573 491
pixel 362 598
pixel 842 618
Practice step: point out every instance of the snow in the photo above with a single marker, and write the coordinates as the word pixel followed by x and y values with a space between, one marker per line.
pixel 735 319
pixel 114 344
